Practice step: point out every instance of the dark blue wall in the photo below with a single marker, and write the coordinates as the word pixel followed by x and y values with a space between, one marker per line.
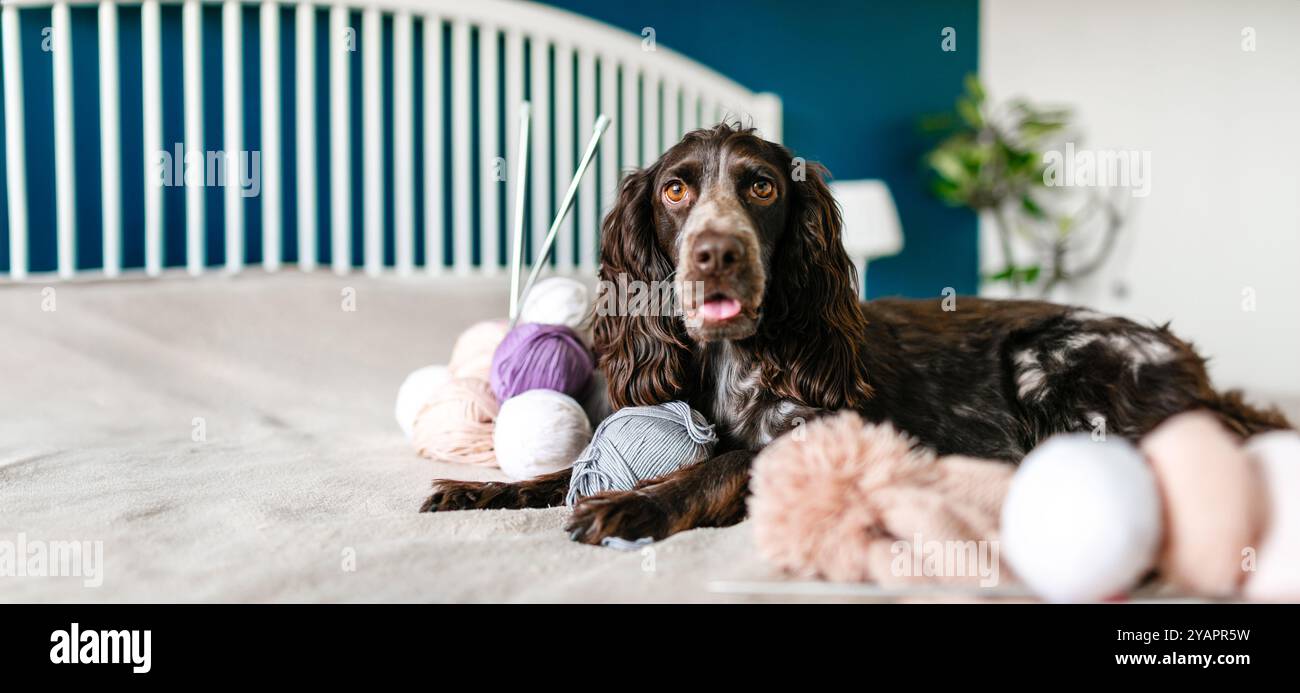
pixel 853 76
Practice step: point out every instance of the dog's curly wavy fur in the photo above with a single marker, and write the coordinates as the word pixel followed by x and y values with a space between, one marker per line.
pixel 976 377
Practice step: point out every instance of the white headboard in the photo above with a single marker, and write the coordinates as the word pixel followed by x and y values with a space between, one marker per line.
pixel 653 95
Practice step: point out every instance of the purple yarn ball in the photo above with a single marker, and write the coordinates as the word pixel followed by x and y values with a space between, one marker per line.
pixel 541 357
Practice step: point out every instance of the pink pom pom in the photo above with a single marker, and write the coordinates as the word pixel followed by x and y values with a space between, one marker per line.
pixel 833 499
pixel 1214 503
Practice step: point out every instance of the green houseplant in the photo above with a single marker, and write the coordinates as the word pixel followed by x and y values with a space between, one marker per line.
pixel 990 159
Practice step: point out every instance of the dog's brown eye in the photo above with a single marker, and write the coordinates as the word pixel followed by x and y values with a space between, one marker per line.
pixel 675 191
pixel 762 189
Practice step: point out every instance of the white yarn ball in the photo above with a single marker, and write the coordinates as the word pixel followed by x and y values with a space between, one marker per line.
pixel 1082 519
pixel 556 301
pixel 1277 569
pixel 416 391
pixel 538 432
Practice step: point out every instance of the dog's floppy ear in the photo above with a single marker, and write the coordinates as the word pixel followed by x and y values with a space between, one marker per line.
pixel 640 344
pixel 812 324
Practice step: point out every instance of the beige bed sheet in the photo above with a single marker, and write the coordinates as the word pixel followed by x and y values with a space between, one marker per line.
pixel 303 489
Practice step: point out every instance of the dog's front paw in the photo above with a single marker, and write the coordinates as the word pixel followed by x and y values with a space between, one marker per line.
pixel 456 495
pixel 629 515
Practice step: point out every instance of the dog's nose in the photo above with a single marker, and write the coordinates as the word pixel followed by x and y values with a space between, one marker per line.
pixel 716 253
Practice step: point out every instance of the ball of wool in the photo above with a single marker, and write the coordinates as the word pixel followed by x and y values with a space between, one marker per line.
pixel 835 497
pixel 1082 520
pixel 456 425
pixel 415 392
pixel 1213 503
pixel 471 357
pixel 556 301
pixel 638 443
pixel 546 357
pixel 538 432
pixel 1276 574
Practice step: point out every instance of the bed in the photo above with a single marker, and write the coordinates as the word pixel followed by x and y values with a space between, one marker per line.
pixel 180 380
pixel 195 394
pixel 302 487
pixel 302 465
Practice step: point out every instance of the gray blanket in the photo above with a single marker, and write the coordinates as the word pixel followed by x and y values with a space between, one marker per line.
pixel 233 439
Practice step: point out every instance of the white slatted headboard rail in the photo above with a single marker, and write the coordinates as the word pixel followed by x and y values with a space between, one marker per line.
pixel 570 67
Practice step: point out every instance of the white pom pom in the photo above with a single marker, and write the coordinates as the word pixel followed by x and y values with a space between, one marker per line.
pixel 1277 571
pixel 556 301
pixel 538 432
pixel 415 392
pixel 1082 519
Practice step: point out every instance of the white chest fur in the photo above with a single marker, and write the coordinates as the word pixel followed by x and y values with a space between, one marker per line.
pixel 744 412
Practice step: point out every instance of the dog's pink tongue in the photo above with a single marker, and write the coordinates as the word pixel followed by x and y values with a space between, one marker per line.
pixel 720 309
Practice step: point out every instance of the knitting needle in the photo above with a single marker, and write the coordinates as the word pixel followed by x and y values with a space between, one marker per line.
pixel 602 124
pixel 521 178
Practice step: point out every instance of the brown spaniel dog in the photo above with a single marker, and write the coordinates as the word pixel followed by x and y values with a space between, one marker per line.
pixel 766 331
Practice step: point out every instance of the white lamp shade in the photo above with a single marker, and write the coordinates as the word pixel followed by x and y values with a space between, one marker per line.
pixel 871 225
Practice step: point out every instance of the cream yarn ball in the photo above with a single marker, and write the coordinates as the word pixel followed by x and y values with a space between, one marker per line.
pixel 538 432
pixel 556 301
pixel 415 392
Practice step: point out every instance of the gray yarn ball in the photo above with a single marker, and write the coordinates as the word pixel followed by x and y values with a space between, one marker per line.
pixel 638 443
